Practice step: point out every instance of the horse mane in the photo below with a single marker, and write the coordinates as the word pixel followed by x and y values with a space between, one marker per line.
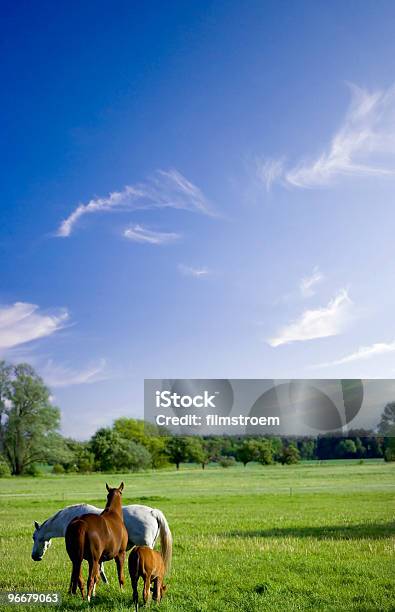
pixel 49 520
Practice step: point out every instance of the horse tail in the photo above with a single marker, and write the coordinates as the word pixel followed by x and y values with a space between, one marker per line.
pixel 166 539
pixel 134 570
pixel 75 574
pixel 75 546
pixel 134 563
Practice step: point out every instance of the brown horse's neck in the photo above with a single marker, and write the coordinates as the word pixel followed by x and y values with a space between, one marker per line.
pixel 114 504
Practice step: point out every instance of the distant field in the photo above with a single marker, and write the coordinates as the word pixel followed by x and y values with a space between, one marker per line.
pixel 305 537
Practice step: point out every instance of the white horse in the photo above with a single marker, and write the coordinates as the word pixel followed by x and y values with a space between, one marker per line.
pixel 143 524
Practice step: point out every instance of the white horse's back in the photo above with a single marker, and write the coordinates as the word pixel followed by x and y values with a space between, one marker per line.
pixel 142 522
pixel 141 526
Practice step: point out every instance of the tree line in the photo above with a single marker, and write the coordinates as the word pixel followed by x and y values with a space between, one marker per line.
pixel 29 435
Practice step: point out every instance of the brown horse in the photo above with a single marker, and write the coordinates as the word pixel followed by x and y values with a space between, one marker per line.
pixel 149 565
pixel 97 538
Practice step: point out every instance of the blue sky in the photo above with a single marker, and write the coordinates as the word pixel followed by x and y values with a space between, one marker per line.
pixel 195 190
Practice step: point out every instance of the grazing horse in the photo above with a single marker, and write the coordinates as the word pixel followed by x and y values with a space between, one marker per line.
pixel 147 564
pixel 143 524
pixel 97 538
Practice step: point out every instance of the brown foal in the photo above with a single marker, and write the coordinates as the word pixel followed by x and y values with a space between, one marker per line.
pixel 147 563
pixel 97 538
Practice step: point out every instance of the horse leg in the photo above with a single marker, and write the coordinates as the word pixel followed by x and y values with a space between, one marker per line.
pixel 93 571
pixel 97 580
pixel 102 574
pixel 147 588
pixel 81 584
pixel 120 560
pixel 157 589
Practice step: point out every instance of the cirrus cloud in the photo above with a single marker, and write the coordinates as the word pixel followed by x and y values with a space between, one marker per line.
pixel 58 376
pixel 192 271
pixel 364 145
pixel 23 322
pixel 308 283
pixel 364 352
pixel 330 320
pixel 166 189
pixel 138 233
pixel 269 171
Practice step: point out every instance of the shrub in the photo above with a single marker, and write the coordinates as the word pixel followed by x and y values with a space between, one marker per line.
pixel 33 470
pixel 389 455
pixel 71 469
pixel 226 462
pixel 290 455
pixel 346 449
pixel 389 452
pixel 5 471
pixel 58 469
pixel 85 462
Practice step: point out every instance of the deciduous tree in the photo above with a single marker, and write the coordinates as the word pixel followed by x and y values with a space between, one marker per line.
pixel 28 421
pixel 387 422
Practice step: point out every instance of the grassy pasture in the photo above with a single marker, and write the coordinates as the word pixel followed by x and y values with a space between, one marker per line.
pixel 305 537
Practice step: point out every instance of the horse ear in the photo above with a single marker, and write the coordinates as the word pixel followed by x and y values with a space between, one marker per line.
pixel 121 486
pixel 107 487
pixel 37 525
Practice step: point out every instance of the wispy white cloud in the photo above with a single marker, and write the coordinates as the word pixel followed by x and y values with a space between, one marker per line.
pixel 364 352
pixel 330 320
pixel 166 189
pixel 364 145
pixel 306 288
pixel 269 171
pixel 308 283
pixel 22 322
pixel 55 375
pixel 138 233
pixel 115 200
pixel 172 189
pixel 195 272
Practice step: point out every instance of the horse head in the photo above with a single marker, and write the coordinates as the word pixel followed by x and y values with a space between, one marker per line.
pixel 114 497
pixel 40 543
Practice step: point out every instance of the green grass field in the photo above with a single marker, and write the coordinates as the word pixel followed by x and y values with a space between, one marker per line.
pixel 305 537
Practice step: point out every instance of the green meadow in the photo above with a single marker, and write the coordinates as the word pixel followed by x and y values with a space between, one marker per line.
pixel 305 537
